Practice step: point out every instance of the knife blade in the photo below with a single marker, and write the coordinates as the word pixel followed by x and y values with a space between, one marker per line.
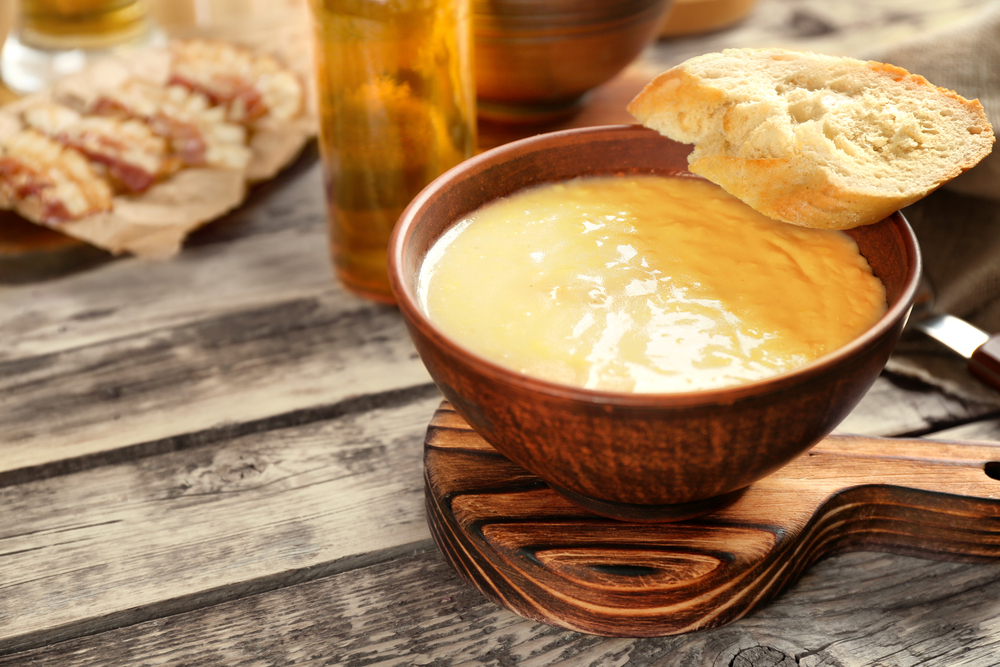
pixel 980 348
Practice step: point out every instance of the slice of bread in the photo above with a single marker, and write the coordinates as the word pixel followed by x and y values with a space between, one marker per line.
pixel 814 140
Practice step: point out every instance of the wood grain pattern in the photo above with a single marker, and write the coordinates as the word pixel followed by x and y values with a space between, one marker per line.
pixel 235 329
pixel 531 551
pixel 137 536
pixel 150 537
pixel 269 250
pixel 249 365
pixel 289 528
pixel 851 610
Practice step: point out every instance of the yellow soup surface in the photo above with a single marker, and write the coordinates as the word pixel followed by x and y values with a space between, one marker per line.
pixel 645 284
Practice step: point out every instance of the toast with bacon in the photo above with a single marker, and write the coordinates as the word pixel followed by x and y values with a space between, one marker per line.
pixel 131 155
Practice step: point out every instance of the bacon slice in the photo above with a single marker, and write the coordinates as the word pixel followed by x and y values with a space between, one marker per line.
pixel 47 182
pixel 132 155
pixel 196 133
pixel 250 86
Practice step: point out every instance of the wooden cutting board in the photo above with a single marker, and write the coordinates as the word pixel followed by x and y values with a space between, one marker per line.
pixel 533 552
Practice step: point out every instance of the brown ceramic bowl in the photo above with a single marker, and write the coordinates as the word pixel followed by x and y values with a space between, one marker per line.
pixel 535 59
pixel 637 456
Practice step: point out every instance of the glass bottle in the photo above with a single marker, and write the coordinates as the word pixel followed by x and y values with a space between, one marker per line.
pixel 397 108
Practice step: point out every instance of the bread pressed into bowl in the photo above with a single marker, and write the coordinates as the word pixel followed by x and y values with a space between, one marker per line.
pixel 815 140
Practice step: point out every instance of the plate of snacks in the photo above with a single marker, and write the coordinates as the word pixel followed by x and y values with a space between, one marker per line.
pixel 132 154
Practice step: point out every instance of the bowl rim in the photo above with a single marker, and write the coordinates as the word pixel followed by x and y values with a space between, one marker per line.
pixel 408 303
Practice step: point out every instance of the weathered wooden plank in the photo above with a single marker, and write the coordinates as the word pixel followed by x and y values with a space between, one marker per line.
pixel 153 390
pixel 143 539
pixel 95 574
pixel 241 366
pixel 272 249
pixel 148 368
pixel 268 253
pixel 185 529
pixel 851 610
pixel 258 364
pixel 247 323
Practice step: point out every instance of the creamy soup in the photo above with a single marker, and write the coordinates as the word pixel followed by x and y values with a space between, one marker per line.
pixel 645 284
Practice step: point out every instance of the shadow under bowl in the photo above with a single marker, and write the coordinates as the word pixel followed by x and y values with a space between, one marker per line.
pixel 535 60
pixel 637 457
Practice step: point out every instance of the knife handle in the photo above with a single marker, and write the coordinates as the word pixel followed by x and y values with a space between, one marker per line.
pixel 985 362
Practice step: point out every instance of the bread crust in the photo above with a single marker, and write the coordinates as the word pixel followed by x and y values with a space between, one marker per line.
pixel 813 140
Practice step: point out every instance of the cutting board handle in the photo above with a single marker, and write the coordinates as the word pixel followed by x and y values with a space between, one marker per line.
pixel 532 551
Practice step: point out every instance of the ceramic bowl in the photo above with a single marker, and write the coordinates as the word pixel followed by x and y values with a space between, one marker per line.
pixel 637 457
pixel 536 59
pixel 694 17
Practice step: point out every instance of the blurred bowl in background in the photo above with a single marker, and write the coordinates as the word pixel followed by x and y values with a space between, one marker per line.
pixel 535 60
pixel 694 17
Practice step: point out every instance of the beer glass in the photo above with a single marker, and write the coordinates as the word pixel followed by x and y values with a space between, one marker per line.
pixel 52 38
pixel 397 108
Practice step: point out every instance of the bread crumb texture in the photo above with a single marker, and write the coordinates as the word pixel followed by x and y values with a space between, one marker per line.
pixel 815 140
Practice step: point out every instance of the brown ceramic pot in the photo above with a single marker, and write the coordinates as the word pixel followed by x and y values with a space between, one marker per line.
pixel 637 456
pixel 535 59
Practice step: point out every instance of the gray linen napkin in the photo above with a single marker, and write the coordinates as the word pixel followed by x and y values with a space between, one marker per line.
pixel 958 226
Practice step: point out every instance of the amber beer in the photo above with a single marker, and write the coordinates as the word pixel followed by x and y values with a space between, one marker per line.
pixel 397 103
pixel 86 24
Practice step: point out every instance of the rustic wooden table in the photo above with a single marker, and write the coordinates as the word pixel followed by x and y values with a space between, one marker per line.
pixel 216 460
